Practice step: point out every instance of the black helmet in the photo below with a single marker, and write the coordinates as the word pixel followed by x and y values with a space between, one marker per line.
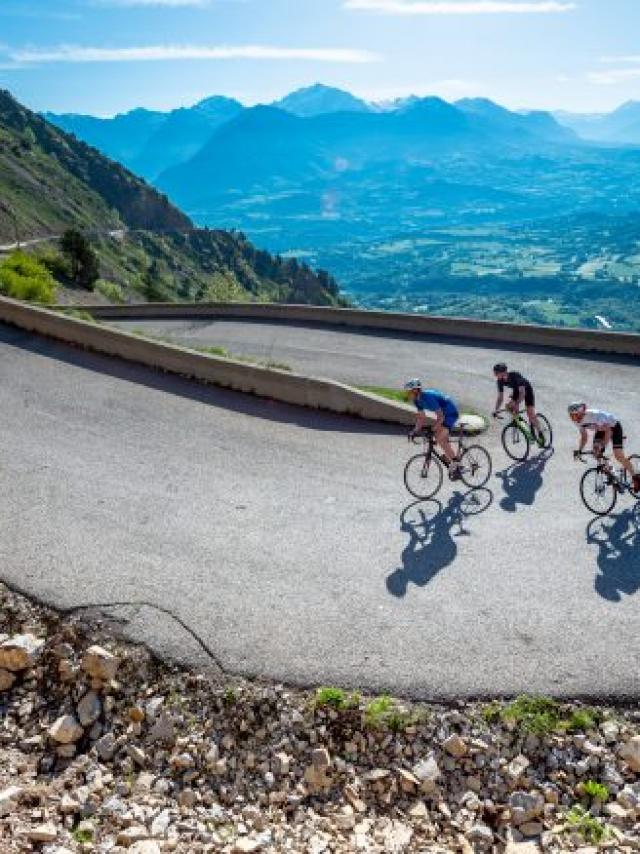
pixel 500 368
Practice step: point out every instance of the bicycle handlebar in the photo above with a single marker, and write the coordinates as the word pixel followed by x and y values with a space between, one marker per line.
pixel 580 456
pixel 496 415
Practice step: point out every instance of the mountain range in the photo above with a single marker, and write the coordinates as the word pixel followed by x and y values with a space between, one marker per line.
pixel 622 126
pixel 149 142
pixel 50 181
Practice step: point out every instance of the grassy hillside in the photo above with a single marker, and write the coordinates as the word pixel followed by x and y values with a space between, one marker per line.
pixel 50 182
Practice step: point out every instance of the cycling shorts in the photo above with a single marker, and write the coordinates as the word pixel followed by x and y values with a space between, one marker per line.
pixel 450 418
pixel 617 436
pixel 529 395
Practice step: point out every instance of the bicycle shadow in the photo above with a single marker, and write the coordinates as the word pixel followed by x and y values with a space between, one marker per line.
pixel 521 482
pixel 618 541
pixel 433 529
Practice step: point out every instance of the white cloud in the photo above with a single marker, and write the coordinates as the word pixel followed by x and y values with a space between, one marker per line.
pixel 156 53
pixel 459 7
pixel 621 60
pixel 614 75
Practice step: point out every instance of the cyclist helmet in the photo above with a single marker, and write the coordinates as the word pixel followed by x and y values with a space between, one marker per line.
pixel 576 407
pixel 500 368
pixel 412 385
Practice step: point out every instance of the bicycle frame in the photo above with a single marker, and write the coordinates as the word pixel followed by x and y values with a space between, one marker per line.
pixel 518 421
pixel 604 466
pixel 429 439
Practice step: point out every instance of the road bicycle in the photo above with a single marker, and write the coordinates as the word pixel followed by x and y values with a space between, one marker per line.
pixel 423 474
pixel 517 436
pixel 601 485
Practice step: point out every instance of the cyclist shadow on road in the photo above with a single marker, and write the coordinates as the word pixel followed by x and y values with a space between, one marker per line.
pixel 618 541
pixel 433 530
pixel 522 481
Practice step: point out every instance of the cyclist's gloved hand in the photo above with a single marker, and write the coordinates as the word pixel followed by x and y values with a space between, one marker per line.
pixel 577 455
pixel 495 414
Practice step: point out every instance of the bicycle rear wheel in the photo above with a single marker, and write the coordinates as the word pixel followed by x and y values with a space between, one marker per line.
pixel 545 430
pixel 598 492
pixel 634 459
pixel 423 476
pixel 475 466
pixel 515 443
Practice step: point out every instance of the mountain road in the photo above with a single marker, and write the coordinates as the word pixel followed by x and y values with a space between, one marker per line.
pixel 273 541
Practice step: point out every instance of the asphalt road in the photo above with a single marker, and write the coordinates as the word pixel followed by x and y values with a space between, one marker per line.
pixel 284 539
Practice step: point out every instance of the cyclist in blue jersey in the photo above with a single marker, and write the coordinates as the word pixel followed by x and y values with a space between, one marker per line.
pixel 446 413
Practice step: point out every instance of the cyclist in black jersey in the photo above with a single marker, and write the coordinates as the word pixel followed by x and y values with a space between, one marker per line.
pixel 521 392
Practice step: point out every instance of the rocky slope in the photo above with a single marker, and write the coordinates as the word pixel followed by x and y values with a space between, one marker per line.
pixel 103 748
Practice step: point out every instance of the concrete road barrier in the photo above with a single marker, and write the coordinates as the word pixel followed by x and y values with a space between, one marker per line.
pixel 621 343
pixel 270 383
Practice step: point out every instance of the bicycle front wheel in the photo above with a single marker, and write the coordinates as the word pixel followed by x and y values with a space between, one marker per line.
pixel 475 466
pixel 598 492
pixel 545 430
pixel 423 476
pixel 515 443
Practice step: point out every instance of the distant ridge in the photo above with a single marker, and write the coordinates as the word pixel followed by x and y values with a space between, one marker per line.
pixel 318 100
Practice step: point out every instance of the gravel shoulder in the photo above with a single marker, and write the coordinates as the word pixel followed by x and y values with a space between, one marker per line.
pixel 105 748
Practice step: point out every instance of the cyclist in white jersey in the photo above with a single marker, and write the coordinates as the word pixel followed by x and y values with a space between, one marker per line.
pixel 607 428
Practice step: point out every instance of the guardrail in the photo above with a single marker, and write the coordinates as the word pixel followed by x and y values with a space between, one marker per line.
pixel 620 343
pixel 264 382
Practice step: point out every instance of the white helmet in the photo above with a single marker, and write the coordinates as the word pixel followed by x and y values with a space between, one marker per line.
pixel 576 407
pixel 412 385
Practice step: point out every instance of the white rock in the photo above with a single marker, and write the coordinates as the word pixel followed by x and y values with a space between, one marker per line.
pixel 69 805
pixel 100 664
pixel 419 810
pixel 245 845
pixel 137 754
pixel 146 846
pixel 428 772
pixel 160 823
pixel 89 709
pixel 630 752
pixel 212 756
pixel 43 833
pixel 66 730
pixel 6 680
pixel 20 652
pixel 517 767
pixel 397 837
pixel 610 730
pixel 9 799
pixel 153 707
pixel 281 763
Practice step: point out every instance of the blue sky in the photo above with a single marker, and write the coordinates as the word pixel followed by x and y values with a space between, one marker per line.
pixel 107 56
